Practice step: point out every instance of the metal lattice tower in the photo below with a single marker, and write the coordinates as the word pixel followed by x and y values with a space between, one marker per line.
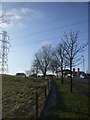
pixel 4 49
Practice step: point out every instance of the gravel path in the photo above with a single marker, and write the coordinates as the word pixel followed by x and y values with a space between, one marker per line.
pixel 51 101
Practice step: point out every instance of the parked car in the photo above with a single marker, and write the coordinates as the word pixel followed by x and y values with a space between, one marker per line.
pixel 82 76
pixel 21 74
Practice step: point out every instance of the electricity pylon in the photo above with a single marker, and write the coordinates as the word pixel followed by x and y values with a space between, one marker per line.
pixel 4 49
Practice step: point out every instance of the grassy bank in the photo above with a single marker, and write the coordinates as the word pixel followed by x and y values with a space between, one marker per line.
pixel 69 105
pixel 18 96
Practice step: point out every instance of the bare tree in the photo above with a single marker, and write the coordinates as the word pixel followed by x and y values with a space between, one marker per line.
pixel 72 51
pixel 54 65
pixel 60 56
pixel 5 17
pixel 43 57
pixel 35 67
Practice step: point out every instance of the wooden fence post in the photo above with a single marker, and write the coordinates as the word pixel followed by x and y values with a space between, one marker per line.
pixel 45 91
pixel 48 87
pixel 36 106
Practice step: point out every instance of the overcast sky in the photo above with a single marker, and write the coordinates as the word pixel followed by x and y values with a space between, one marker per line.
pixel 34 24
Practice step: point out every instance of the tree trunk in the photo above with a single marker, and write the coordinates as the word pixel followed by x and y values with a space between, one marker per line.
pixel 56 74
pixel 53 73
pixel 62 70
pixel 44 75
pixel 62 74
pixel 71 74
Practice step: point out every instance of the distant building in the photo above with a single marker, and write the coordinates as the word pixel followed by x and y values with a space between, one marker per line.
pixel 21 74
pixel 66 73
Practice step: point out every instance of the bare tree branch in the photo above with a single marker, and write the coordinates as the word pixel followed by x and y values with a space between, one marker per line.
pixel 43 58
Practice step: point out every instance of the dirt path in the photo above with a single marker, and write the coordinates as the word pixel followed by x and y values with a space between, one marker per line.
pixel 51 101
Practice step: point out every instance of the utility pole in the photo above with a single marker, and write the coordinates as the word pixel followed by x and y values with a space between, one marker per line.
pixel 83 63
pixel 4 46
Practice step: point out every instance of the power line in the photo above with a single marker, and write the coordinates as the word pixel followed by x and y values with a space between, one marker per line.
pixel 51 29
pixel 36 41
pixel 53 21
pixel 52 38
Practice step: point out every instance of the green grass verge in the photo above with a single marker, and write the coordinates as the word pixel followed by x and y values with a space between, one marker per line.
pixel 69 105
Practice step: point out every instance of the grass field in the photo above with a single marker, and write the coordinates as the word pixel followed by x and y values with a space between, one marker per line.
pixel 18 96
pixel 69 105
